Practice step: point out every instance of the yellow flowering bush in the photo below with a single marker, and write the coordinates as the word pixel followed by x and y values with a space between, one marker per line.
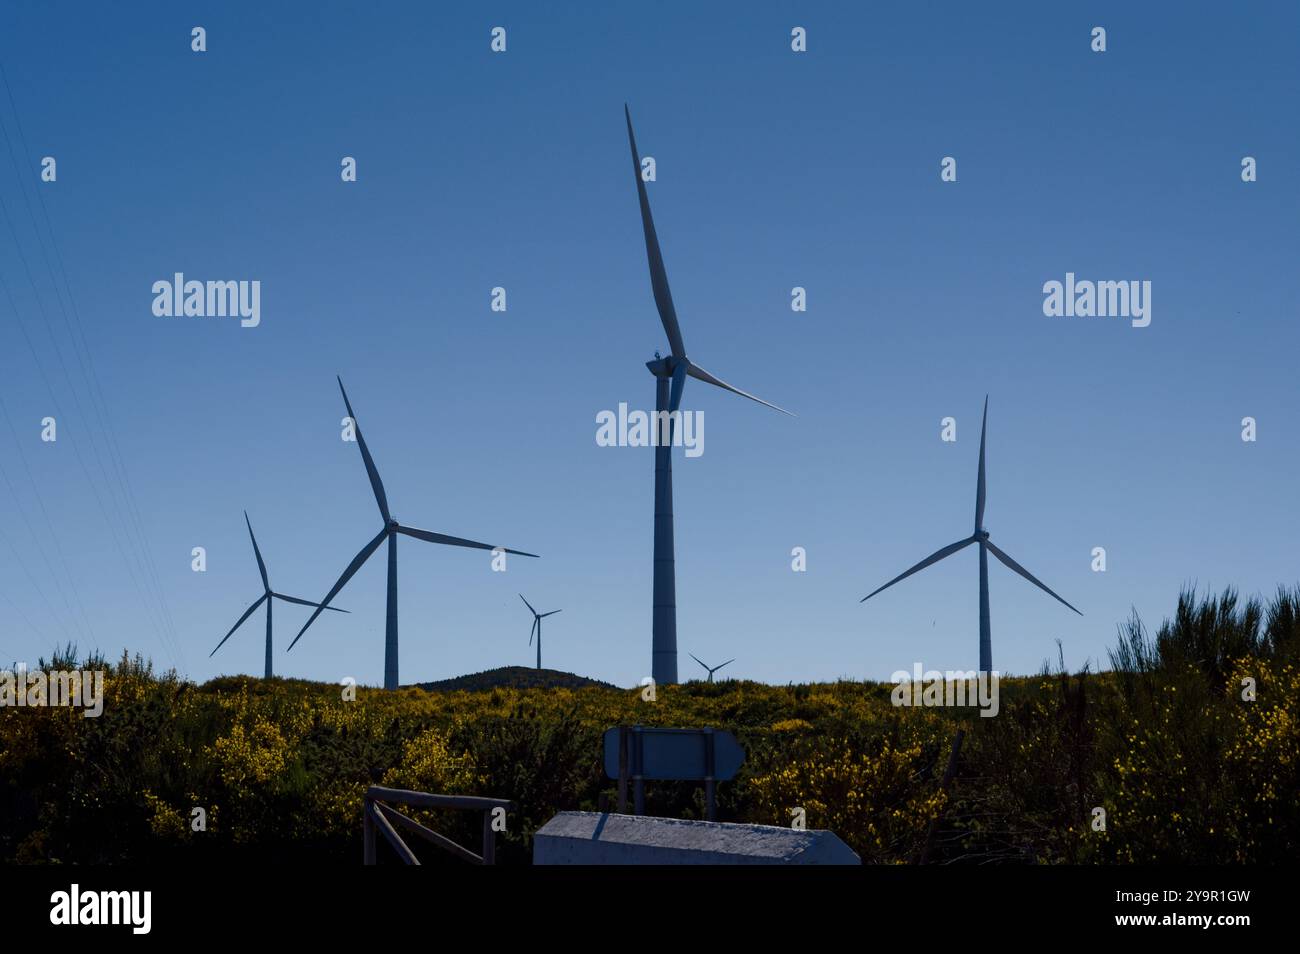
pixel 1185 768
pixel 165 822
pixel 249 758
pixel 428 765
pixel 869 798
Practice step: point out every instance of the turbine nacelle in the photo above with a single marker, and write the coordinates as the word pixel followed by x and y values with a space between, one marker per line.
pixel 664 367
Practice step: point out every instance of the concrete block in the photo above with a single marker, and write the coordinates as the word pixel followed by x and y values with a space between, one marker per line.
pixel 590 838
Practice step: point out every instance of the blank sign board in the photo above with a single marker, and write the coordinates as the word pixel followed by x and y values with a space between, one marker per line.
pixel 675 754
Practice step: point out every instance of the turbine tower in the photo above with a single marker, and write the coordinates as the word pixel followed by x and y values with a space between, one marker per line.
pixel 388 534
pixel 267 595
pixel 670 377
pixel 980 536
pixel 711 669
pixel 537 627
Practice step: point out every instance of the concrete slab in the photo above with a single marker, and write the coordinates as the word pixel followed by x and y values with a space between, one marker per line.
pixel 590 838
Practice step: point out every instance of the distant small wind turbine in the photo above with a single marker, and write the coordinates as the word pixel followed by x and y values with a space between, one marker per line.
pixel 389 532
pixel 537 627
pixel 980 536
pixel 711 669
pixel 266 596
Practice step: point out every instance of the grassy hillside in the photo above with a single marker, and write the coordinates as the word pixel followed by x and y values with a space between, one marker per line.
pixel 1185 768
pixel 513 677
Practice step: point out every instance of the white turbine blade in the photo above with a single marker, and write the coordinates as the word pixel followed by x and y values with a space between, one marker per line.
pixel 430 537
pixel 695 371
pixel 932 558
pixel 1012 564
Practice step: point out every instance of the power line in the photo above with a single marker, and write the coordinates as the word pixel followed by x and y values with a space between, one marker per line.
pixel 94 388
pixel 40 548
pixel 37 587
pixel 123 541
pixel 103 510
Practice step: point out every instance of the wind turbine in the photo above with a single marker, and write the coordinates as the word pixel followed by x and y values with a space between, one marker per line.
pixel 980 536
pixel 267 596
pixel 711 669
pixel 389 533
pixel 537 627
pixel 670 377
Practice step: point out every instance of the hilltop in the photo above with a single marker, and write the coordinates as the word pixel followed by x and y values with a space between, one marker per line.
pixel 513 677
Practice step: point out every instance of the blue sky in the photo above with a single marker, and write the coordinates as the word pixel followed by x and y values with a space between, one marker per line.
pixel 774 170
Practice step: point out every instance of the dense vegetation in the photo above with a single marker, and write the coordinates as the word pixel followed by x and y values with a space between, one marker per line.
pixel 1186 769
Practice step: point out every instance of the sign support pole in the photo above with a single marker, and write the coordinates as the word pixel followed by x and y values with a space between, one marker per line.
pixel 710 785
pixel 638 782
pixel 622 769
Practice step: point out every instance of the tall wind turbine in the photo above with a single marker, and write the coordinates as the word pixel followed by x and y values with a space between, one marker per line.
pixel 711 669
pixel 980 536
pixel 537 627
pixel 267 596
pixel 389 533
pixel 670 377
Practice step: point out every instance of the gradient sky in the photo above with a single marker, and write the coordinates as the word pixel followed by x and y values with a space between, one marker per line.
pixel 774 170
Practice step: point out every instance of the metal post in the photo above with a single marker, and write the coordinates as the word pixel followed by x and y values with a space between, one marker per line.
pixel 622 769
pixel 489 840
pixel 368 832
pixel 923 855
pixel 638 766
pixel 710 784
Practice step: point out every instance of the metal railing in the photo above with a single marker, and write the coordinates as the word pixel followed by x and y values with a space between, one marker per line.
pixel 378 816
